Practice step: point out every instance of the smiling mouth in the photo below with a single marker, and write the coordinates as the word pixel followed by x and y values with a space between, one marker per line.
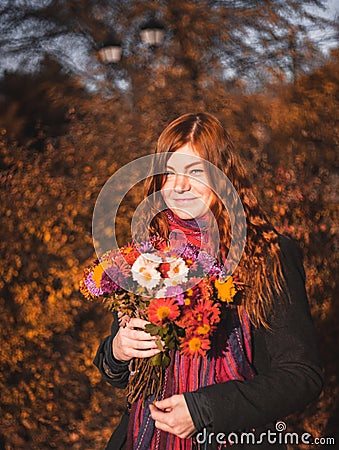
pixel 184 199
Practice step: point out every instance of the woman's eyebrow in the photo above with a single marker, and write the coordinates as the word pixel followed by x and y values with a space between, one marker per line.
pixel 188 165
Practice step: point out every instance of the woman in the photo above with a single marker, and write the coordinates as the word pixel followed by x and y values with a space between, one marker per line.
pixel 264 363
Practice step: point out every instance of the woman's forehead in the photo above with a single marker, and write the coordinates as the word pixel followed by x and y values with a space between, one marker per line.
pixel 184 156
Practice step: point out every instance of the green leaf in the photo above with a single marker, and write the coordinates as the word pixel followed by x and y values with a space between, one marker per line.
pixel 159 344
pixel 152 329
pixel 171 343
pixel 165 360
pixel 156 360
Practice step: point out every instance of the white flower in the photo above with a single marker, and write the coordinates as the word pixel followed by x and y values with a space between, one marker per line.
pixel 177 272
pixel 144 270
pixel 150 258
pixel 160 293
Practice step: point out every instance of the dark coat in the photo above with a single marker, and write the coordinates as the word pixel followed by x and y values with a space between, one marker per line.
pixel 285 358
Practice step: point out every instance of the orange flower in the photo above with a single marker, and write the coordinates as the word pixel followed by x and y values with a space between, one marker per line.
pixel 206 312
pixel 200 320
pixel 128 249
pixel 162 309
pixel 205 288
pixel 204 329
pixel 130 256
pixel 130 253
pixel 189 292
pixel 98 272
pixel 195 345
pixel 226 289
pixel 83 288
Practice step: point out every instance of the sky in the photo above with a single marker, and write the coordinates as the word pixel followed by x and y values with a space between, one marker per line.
pixel 331 13
pixel 80 61
pixel 334 7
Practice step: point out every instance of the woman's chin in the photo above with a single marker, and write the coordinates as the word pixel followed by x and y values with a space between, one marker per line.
pixel 185 214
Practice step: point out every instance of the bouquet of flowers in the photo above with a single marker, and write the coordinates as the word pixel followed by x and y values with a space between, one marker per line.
pixel 179 291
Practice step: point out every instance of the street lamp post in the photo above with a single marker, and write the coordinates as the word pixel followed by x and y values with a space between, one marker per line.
pixel 152 34
pixel 111 50
pixel 125 72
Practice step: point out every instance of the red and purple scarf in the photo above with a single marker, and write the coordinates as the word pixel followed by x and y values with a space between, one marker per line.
pixel 230 359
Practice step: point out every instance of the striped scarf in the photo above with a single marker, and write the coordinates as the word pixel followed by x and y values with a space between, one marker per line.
pixel 230 358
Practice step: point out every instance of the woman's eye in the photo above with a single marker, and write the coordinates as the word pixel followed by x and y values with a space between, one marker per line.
pixel 197 171
pixel 168 172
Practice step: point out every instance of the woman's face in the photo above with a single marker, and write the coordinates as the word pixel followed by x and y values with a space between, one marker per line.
pixel 186 188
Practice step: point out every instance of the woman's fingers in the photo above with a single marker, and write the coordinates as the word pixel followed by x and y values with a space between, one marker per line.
pixel 143 353
pixel 140 344
pixel 123 320
pixel 126 349
pixel 133 330
pixel 137 335
pixel 137 323
pixel 132 342
pixel 172 415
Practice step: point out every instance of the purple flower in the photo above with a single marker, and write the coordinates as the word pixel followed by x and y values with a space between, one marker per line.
pixel 210 265
pixel 223 272
pixel 188 251
pixel 91 285
pixel 175 291
pixel 108 285
pixel 113 273
pixel 206 261
pixel 145 247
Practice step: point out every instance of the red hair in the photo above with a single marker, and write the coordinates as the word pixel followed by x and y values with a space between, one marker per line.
pixel 259 267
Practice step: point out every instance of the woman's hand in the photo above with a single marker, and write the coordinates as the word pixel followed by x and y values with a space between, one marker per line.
pixel 131 342
pixel 172 415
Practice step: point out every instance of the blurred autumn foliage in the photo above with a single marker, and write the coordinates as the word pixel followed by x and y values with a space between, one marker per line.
pixel 58 147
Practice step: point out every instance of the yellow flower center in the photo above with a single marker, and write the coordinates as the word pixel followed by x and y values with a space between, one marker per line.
pixel 176 269
pixel 128 250
pixel 98 272
pixel 204 329
pixel 187 301
pixel 145 274
pixel 194 344
pixel 226 289
pixel 163 312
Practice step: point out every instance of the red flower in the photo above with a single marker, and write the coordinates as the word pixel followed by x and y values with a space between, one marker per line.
pixel 195 345
pixel 130 254
pixel 202 319
pixel 164 268
pixel 207 312
pixel 162 309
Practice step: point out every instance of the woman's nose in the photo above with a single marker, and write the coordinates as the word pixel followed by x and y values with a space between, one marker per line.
pixel 182 183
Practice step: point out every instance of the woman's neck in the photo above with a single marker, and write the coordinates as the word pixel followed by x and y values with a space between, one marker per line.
pixel 195 230
pixel 198 224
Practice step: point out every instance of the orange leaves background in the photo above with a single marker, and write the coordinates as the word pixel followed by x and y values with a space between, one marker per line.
pixel 51 394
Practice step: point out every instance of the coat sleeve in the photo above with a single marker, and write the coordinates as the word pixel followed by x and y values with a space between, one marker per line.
pixel 113 371
pixel 292 376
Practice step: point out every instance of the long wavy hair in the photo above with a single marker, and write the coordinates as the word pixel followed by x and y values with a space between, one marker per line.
pixel 260 264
